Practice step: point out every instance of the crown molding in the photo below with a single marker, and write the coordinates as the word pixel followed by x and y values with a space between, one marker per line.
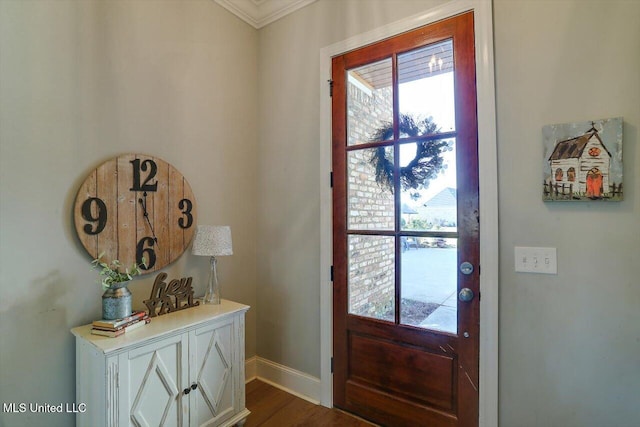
pixel 259 13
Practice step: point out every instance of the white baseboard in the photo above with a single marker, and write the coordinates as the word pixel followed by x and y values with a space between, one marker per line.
pixel 295 382
pixel 250 370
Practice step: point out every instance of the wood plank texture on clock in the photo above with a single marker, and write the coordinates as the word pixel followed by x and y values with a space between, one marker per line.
pixel 134 207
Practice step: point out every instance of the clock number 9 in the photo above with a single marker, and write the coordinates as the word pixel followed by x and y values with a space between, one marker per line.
pixel 87 215
pixel 186 206
pixel 143 166
pixel 147 253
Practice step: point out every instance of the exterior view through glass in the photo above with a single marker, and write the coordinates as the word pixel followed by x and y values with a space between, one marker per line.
pixel 401 190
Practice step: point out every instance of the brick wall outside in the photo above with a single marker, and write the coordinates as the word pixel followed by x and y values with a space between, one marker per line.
pixel 370 207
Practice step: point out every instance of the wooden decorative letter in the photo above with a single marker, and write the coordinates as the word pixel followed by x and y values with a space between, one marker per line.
pixel 177 295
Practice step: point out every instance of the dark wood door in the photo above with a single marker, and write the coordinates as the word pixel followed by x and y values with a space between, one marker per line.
pixel 406 228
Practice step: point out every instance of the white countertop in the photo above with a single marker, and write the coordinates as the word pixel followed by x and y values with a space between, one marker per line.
pixel 161 325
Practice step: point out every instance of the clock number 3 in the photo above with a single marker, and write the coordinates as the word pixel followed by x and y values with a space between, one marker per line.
pixel 143 166
pixel 147 253
pixel 186 206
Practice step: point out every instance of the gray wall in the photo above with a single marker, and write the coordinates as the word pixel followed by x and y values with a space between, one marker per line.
pixel 569 346
pixel 237 112
pixel 81 82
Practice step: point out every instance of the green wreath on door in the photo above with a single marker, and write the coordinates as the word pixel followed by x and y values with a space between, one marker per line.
pixel 426 164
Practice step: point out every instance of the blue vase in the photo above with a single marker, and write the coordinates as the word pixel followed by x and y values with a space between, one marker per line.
pixel 116 301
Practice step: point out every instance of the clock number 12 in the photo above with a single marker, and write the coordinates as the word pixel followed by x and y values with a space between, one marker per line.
pixel 143 166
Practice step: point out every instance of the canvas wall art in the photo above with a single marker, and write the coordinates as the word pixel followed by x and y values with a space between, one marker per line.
pixel 583 161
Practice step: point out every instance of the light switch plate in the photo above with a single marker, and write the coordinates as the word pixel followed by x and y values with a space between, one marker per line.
pixel 536 260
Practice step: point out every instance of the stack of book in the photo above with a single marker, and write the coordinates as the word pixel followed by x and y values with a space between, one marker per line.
pixel 117 327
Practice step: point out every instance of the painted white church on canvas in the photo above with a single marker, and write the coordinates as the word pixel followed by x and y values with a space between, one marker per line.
pixel 584 166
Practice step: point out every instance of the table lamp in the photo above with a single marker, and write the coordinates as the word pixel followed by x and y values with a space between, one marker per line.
pixel 212 241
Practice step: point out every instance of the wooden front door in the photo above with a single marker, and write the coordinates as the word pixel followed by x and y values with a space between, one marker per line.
pixel 406 228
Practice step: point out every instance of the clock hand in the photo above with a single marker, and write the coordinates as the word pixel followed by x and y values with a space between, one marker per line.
pixel 146 216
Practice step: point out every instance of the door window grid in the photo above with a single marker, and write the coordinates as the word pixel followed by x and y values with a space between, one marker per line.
pixel 378 202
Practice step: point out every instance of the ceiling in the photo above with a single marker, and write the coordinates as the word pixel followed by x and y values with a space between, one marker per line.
pixel 259 13
pixel 416 64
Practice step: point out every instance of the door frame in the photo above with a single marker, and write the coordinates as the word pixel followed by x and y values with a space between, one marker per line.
pixel 488 166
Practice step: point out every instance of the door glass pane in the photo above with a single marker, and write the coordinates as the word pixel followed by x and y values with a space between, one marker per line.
pixel 369 102
pixel 369 193
pixel 371 266
pixel 429 283
pixel 429 196
pixel 426 82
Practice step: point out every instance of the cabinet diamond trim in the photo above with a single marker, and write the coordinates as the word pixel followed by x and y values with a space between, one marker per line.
pixel 156 367
pixel 216 353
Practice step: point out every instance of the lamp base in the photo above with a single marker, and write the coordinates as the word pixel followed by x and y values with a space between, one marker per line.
pixel 212 296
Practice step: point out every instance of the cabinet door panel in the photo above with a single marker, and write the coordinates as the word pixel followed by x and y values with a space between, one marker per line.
pixel 154 380
pixel 211 349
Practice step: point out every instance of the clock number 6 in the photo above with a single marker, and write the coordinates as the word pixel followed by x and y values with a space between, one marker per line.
pixel 186 206
pixel 148 253
pixel 87 215
pixel 143 166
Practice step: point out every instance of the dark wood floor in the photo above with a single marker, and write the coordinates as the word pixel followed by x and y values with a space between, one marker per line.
pixel 272 407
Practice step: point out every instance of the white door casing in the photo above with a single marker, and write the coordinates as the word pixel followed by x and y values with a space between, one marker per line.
pixel 488 193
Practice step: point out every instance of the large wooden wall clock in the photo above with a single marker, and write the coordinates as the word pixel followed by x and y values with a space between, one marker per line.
pixel 135 206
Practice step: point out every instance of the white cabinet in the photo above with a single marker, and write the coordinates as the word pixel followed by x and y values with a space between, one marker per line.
pixel 182 369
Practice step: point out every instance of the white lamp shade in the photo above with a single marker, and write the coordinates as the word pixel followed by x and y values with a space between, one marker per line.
pixel 212 240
